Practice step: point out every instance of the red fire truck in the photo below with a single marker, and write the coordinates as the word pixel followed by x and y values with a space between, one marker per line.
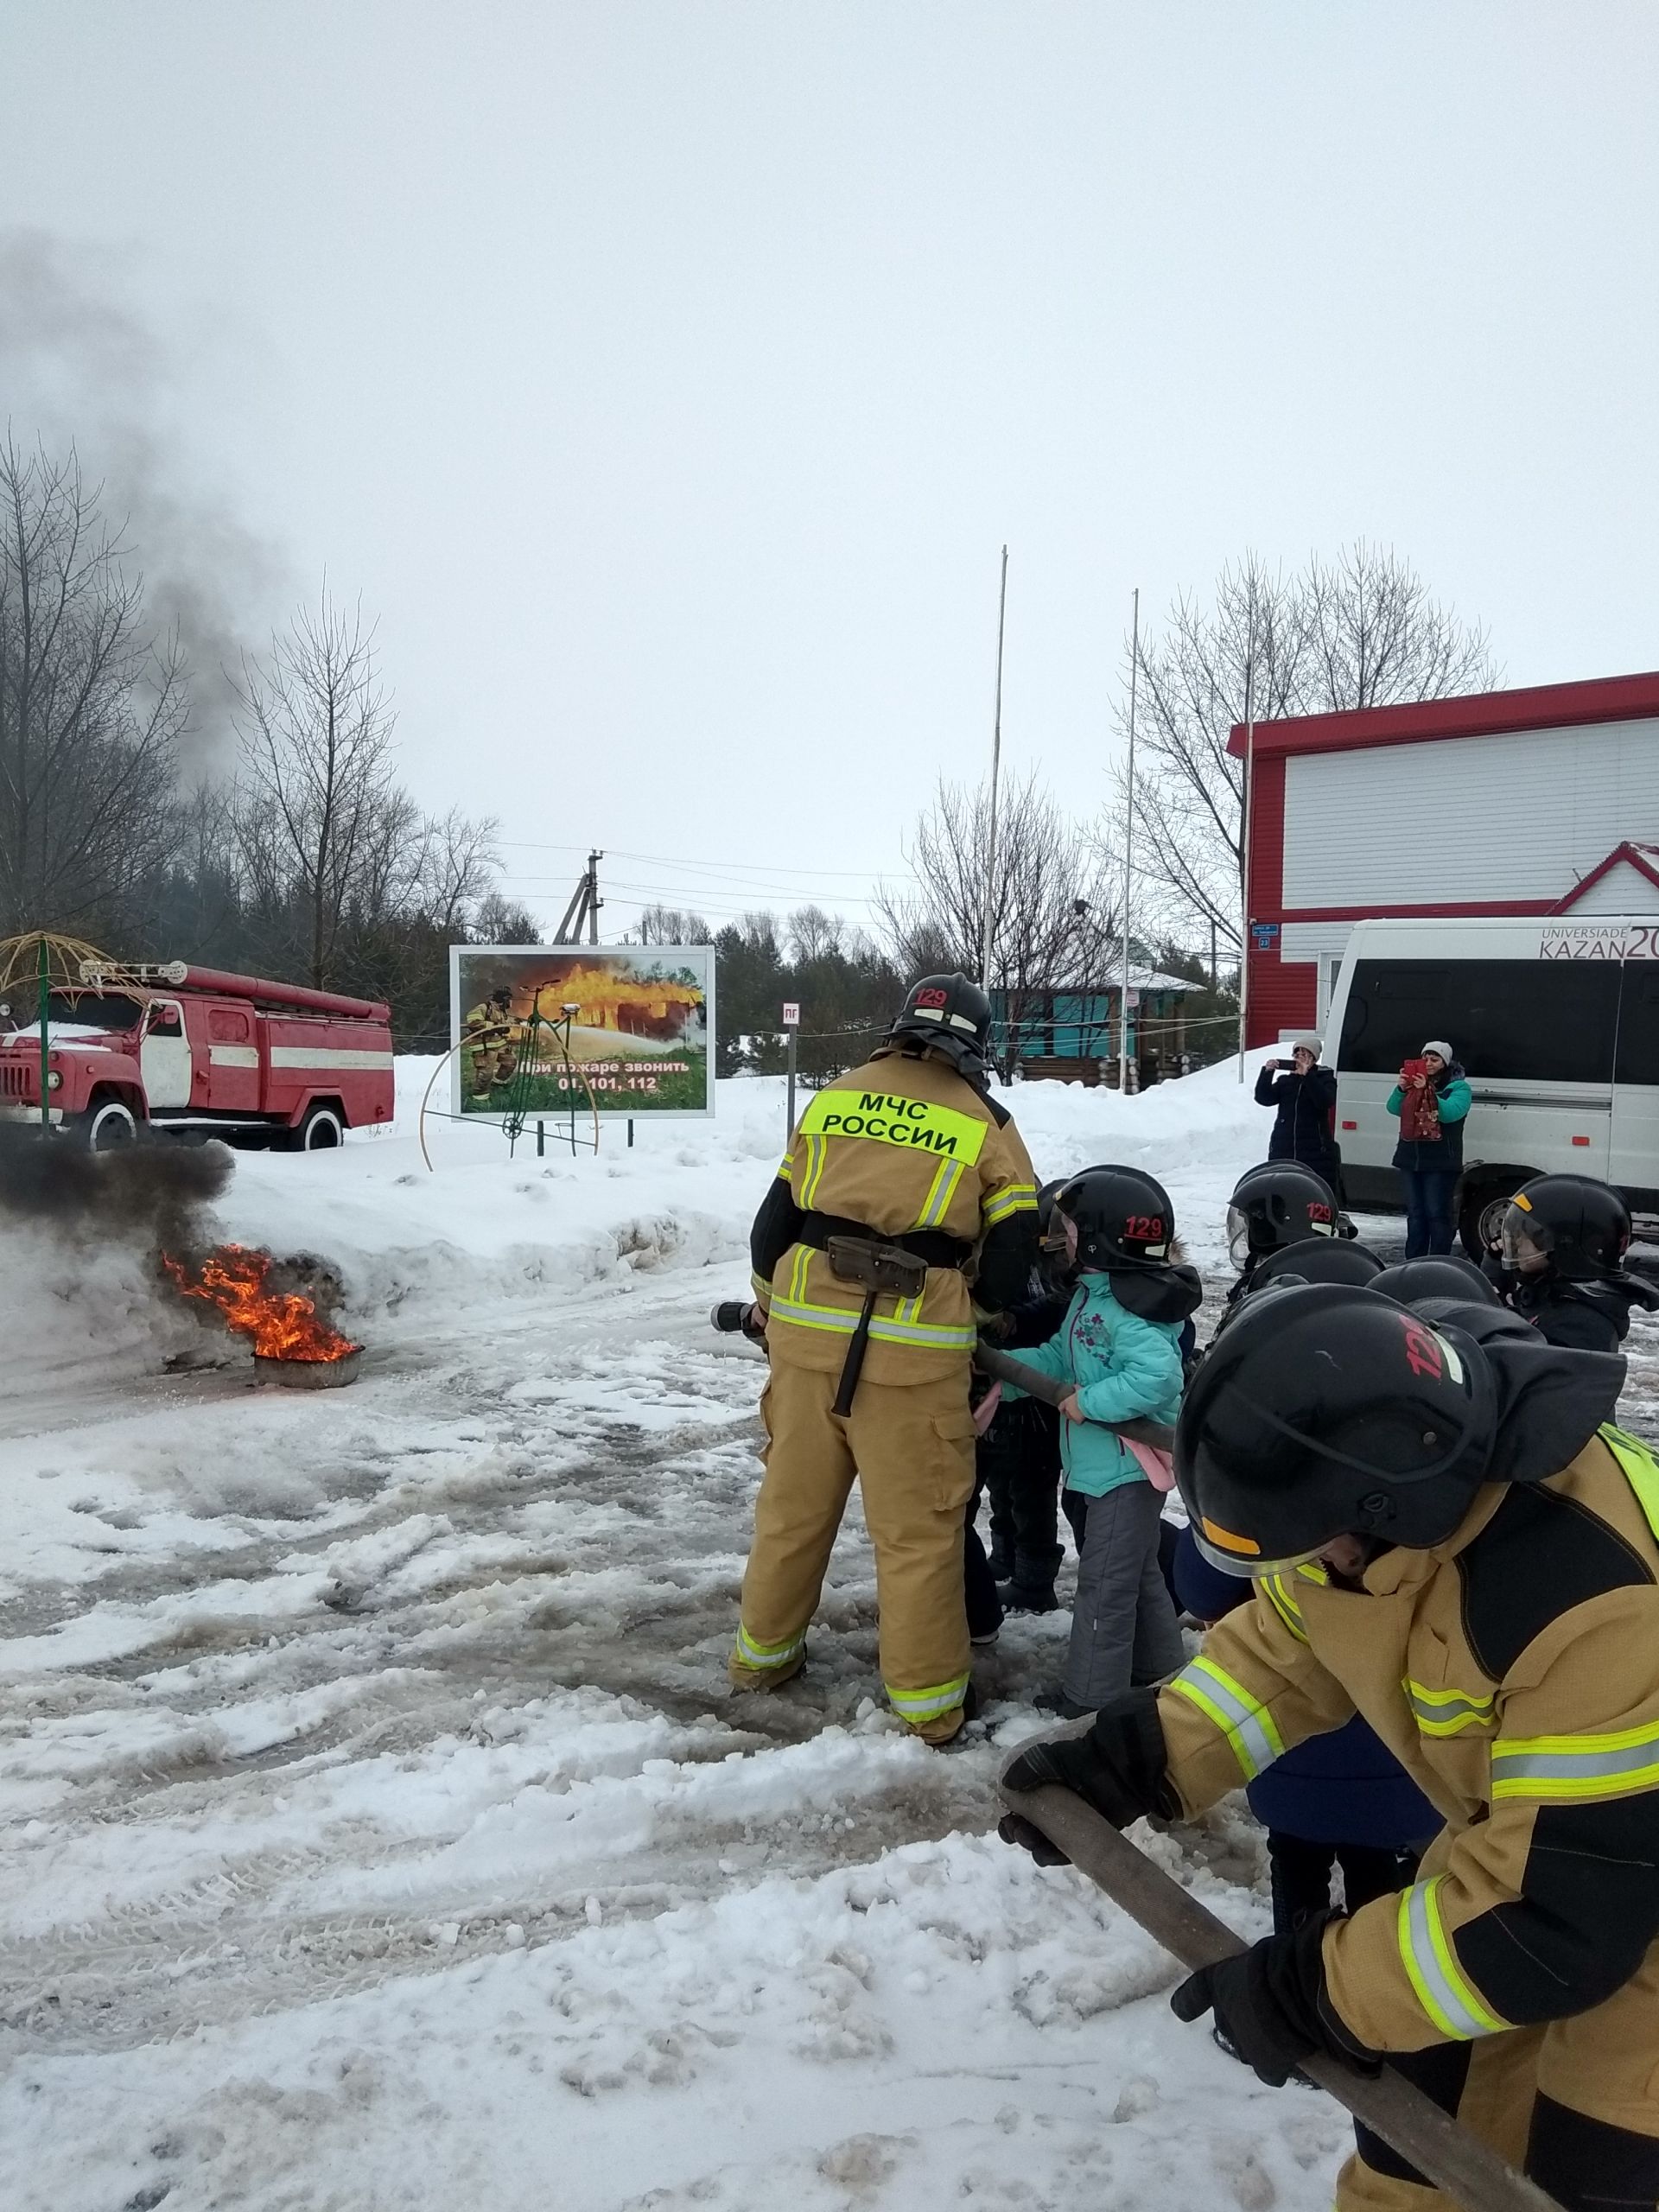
pixel 201 1053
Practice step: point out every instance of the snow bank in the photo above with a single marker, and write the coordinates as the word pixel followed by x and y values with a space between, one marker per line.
pixel 683 1196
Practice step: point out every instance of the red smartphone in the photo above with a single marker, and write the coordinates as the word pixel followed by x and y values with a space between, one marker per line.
pixel 1413 1067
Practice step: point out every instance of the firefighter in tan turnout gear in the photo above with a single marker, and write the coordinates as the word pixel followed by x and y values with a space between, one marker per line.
pixel 1448 1536
pixel 487 1035
pixel 906 1195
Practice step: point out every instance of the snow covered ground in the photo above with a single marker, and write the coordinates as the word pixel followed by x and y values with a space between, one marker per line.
pixel 380 1829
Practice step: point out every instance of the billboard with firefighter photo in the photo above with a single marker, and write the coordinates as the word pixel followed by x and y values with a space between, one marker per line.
pixel 542 1029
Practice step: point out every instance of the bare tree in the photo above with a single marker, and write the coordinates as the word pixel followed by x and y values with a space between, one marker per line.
pixel 456 870
pixel 815 934
pixel 1374 636
pixel 661 924
pixel 92 705
pixel 1245 655
pixel 497 919
pixel 1053 911
pixel 321 826
pixel 1360 632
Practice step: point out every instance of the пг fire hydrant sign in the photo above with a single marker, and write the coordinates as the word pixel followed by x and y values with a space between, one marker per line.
pixel 540 1029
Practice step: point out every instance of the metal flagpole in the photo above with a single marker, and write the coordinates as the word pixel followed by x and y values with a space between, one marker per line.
pixel 1128 846
pixel 996 767
pixel 1248 796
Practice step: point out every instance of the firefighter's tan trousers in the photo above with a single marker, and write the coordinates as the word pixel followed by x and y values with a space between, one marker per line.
pixel 911 1447
pixel 1574 2105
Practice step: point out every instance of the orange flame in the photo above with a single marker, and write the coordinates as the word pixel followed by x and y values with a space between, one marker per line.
pixel 282 1325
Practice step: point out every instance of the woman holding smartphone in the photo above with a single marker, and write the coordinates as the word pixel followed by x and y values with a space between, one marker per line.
pixel 1305 1095
pixel 1432 1099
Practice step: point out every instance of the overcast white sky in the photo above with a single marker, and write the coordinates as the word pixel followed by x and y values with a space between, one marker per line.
pixel 667 378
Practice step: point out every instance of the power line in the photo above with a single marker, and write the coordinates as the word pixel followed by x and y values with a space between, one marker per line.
pixel 702 867
pixel 693 893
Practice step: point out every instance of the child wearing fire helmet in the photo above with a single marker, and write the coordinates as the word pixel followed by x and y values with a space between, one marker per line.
pixel 1119 1347
pixel 1017 1459
pixel 1563 1241
pixel 1468 1550
pixel 1279 1204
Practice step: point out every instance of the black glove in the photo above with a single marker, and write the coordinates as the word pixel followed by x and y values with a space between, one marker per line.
pixel 1118 1768
pixel 1271 2005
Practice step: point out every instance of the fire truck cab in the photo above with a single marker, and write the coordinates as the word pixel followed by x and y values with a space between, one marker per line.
pixel 201 1053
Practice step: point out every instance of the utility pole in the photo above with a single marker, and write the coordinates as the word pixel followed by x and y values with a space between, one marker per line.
pixel 1128 848
pixel 1248 795
pixel 585 903
pixel 996 770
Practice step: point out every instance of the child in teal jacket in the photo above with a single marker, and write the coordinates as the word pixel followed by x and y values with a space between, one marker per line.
pixel 1120 1345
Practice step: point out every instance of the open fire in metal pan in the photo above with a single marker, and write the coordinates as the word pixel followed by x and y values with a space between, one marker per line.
pixel 292 1344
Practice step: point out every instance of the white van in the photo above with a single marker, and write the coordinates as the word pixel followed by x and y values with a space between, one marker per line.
pixel 1556 1022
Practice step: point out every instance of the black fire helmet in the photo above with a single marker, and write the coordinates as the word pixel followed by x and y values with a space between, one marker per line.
pixel 1441 1275
pixel 1318 1259
pixel 1046 1198
pixel 1278 1204
pixel 1325 1410
pixel 1124 1219
pixel 951 1015
pixel 1582 1225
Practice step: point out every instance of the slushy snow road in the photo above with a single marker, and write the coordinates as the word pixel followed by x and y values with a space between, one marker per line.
pixel 380 1831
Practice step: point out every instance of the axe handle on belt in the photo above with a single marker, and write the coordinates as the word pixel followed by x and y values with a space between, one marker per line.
pixel 1452 2158
pixel 1036 1384
pixel 853 1366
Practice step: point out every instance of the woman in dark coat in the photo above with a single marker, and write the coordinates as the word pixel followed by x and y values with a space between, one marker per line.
pixel 1306 1095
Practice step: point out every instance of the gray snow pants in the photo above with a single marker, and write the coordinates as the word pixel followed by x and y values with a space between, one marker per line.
pixel 1124 1628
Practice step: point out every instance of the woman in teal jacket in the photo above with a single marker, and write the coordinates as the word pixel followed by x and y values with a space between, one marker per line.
pixel 1432 1105
pixel 1120 1345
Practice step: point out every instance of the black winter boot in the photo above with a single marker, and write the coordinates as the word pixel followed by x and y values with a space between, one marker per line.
pixel 1056 1701
pixel 1027 1598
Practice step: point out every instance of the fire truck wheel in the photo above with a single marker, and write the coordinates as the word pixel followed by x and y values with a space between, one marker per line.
pixel 108 1124
pixel 1483 1206
pixel 321 1131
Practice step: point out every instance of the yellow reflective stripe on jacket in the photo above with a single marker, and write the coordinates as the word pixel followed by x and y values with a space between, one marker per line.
pixel 885 1329
pixel 1013 1197
pixel 886 1118
pixel 1276 1590
pixel 764 1656
pixel 941 1191
pixel 1550 1767
pixel 1641 1469
pixel 1441 1990
pixel 817 1152
pixel 927 1705
pixel 1448 1713
pixel 1243 1720
pixel 785 1172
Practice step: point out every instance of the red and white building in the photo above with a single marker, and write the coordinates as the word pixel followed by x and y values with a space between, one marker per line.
pixel 1537 802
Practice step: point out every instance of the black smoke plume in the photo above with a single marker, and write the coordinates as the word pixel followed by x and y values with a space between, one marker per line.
pixel 153 1193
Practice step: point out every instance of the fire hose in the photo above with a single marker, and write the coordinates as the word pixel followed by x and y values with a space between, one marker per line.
pixel 1448 2155
pixel 1036 1384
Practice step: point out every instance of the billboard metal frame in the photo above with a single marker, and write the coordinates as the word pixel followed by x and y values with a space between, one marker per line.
pixel 618 1106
